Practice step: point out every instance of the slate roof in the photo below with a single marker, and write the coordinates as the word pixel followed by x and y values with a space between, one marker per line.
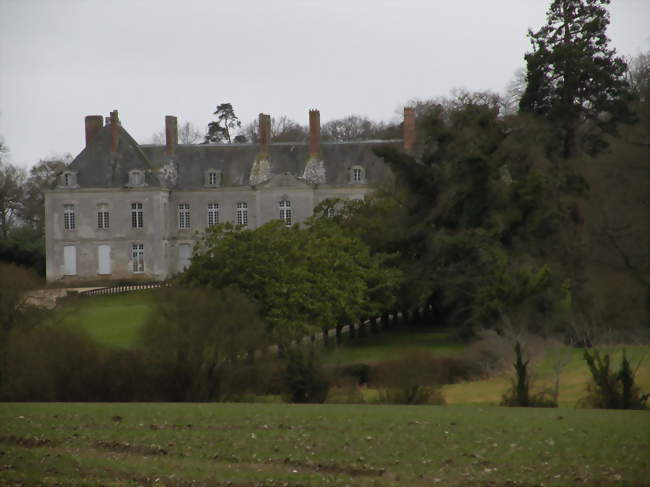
pixel 98 167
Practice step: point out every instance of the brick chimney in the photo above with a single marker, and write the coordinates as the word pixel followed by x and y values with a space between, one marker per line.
pixel 94 124
pixel 171 134
pixel 314 133
pixel 264 132
pixel 409 129
pixel 115 130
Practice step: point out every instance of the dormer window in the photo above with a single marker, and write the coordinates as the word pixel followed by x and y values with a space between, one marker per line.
pixel 357 175
pixel 136 178
pixel 69 179
pixel 213 178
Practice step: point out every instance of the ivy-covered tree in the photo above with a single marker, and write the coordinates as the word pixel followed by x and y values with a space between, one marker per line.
pixel 219 130
pixel 480 214
pixel 574 79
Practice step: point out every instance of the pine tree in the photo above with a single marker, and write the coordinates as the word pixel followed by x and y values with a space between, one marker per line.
pixel 219 131
pixel 573 79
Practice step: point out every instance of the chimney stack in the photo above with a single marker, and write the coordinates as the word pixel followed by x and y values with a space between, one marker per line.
pixel 94 124
pixel 314 133
pixel 115 131
pixel 171 134
pixel 264 132
pixel 409 129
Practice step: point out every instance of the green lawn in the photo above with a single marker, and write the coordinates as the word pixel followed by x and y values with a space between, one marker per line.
pixel 110 320
pixel 374 348
pixel 291 445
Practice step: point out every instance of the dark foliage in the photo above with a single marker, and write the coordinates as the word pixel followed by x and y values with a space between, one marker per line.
pixel 611 389
pixel 24 246
pixel 305 377
pixel 198 341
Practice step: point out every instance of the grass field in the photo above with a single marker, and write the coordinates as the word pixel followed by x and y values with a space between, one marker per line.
pixel 573 378
pixel 110 320
pixel 291 445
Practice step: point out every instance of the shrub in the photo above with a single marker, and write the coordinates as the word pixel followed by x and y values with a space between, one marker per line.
pixel 358 372
pixel 305 377
pixel 411 378
pixel 345 390
pixel 197 342
pixel 610 389
pixel 56 363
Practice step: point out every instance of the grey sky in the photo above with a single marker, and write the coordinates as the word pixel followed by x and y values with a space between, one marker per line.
pixel 63 59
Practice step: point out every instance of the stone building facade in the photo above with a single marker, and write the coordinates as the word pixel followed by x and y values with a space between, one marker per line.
pixel 125 211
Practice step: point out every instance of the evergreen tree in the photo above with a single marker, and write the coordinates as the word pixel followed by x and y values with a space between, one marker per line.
pixel 219 131
pixel 573 79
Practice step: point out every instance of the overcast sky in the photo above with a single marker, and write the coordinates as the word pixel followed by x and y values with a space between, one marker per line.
pixel 63 59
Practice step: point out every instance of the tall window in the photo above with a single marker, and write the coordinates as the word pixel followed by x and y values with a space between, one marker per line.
pixel 68 217
pixel 213 214
pixel 331 213
pixel 137 217
pixel 242 213
pixel 184 216
pixel 137 257
pixel 103 216
pixel 357 174
pixel 285 212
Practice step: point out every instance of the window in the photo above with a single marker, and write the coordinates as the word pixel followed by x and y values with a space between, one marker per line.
pixel 331 213
pixel 137 257
pixel 213 178
pixel 103 216
pixel 213 214
pixel 137 217
pixel 68 179
pixel 68 217
pixel 242 213
pixel 285 212
pixel 184 216
pixel 357 174
pixel 136 178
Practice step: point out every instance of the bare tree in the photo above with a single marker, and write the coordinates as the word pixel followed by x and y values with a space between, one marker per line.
pixel 41 177
pixel 638 74
pixel 514 91
pixel 188 134
pixel 559 356
pixel 357 127
pixel 283 129
pixel 12 179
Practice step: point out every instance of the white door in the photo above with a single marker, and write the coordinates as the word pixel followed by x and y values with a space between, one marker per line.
pixel 103 259
pixel 184 256
pixel 69 260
